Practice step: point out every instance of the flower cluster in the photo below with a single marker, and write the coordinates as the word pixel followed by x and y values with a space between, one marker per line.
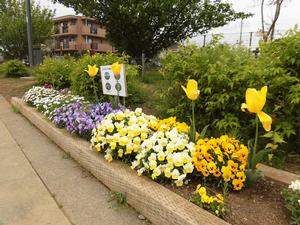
pixel 47 100
pixel 83 118
pixel 170 123
pixel 292 199
pixel 222 157
pixel 295 185
pixel 36 93
pixel 120 134
pixel 215 204
pixel 49 104
pixel 166 155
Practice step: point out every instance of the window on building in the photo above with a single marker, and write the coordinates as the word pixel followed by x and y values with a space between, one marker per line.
pixel 88 40
pixel 65 27
pixel 88 23
pixel 73 22
pixel 72 39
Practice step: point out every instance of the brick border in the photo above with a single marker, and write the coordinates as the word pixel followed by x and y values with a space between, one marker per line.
pixel 157 203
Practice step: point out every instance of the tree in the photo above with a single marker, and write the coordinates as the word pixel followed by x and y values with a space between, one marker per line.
pixel 269 33
pixel 13 36
pixel 148 26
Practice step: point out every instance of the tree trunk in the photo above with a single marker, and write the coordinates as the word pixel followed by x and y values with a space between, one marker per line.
pixel 262 20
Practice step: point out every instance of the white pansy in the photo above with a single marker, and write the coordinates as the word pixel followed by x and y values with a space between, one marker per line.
pixel 295 185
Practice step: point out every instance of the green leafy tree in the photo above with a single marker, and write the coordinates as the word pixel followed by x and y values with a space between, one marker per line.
pixel 148 26
pixel 13 33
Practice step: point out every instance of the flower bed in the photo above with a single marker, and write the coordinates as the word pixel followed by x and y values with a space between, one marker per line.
pixel 164 150
pixel 151 199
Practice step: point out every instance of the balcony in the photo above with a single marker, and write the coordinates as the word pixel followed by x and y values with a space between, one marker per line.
pixel 65 29
pixel 66 46
pixel 93 31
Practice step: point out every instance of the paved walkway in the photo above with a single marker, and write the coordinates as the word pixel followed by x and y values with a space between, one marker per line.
pixel 79 197
pixel 23 197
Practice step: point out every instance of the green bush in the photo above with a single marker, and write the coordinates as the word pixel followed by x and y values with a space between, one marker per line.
pixel 15 68
pixel 224 73
pixel 82 84
pixel 55 71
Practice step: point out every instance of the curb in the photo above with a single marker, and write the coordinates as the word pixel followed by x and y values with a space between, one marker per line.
pixel 278 175
pixel 157 203
pixel 28 78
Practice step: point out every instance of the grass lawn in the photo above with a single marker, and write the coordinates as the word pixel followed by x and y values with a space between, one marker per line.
pixel 14 87
pixel 152 85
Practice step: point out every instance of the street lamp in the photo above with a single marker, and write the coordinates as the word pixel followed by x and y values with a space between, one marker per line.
pixel 29 32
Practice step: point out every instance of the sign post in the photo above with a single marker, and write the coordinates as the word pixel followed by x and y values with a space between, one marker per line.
pixel 112 84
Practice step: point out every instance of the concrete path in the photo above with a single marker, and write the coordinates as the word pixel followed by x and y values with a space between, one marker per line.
pixel 24 200
pixel 81 197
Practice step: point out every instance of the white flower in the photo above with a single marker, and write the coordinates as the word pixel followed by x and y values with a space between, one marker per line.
pixel 175 174
pixel 188 168
pixel 295 185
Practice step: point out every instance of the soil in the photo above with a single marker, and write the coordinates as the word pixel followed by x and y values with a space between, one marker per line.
pixel 14 87
pixel 261 204
pixel 293 165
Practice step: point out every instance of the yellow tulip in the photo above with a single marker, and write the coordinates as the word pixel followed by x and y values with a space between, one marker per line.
pixel 191 90
pixel 116 68
pixel 92 70
pixel 255 101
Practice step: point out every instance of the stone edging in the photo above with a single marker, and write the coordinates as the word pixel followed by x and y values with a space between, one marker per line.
pixel 277 174
pixel 157 203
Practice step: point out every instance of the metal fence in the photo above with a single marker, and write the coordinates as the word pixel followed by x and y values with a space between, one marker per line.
pixel 247 39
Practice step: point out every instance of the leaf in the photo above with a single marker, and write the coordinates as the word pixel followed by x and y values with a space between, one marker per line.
pixel 203 132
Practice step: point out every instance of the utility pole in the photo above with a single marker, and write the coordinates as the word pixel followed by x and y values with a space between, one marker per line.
pixel 29 32
pixel 241 31
pixel 143 64
pixel 204 40
pixel 250 41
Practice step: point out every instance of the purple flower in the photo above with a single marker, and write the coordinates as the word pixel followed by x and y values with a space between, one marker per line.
pixel 82 119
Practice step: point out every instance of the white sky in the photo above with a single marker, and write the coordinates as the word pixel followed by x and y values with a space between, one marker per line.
pixel 290 14
pixel 289 17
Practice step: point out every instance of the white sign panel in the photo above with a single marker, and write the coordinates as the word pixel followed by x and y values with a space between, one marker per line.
pixel 111 84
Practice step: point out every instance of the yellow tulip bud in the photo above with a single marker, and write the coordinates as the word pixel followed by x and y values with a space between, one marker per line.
pixel 191 90
pixel 92 70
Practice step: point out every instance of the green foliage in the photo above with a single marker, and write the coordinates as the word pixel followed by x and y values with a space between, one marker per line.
pixel 82 84
pixel 15 68
pixel 55 72
pixel 292 199
pixel 224 73
pixel 13 39
pixel 119 198
pixel 152 76
pixel 153 25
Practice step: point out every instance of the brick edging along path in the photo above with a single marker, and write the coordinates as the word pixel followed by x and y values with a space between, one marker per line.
pixel 157 203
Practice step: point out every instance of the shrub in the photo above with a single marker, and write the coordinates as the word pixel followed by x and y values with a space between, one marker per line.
pixel 15 68
pixel 224 73
pixel 82 84
pixel 55 71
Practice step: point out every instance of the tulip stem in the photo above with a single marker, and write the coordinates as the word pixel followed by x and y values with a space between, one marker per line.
pixel 95 92
pixel 193 122
pixel 255 141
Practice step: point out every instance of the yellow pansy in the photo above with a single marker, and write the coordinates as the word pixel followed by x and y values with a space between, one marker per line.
pixel 92 70
pixel 255 101
pixel 191 90
pixel 116 68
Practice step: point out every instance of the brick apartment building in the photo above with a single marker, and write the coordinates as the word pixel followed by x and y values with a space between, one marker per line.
pixel 79 34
